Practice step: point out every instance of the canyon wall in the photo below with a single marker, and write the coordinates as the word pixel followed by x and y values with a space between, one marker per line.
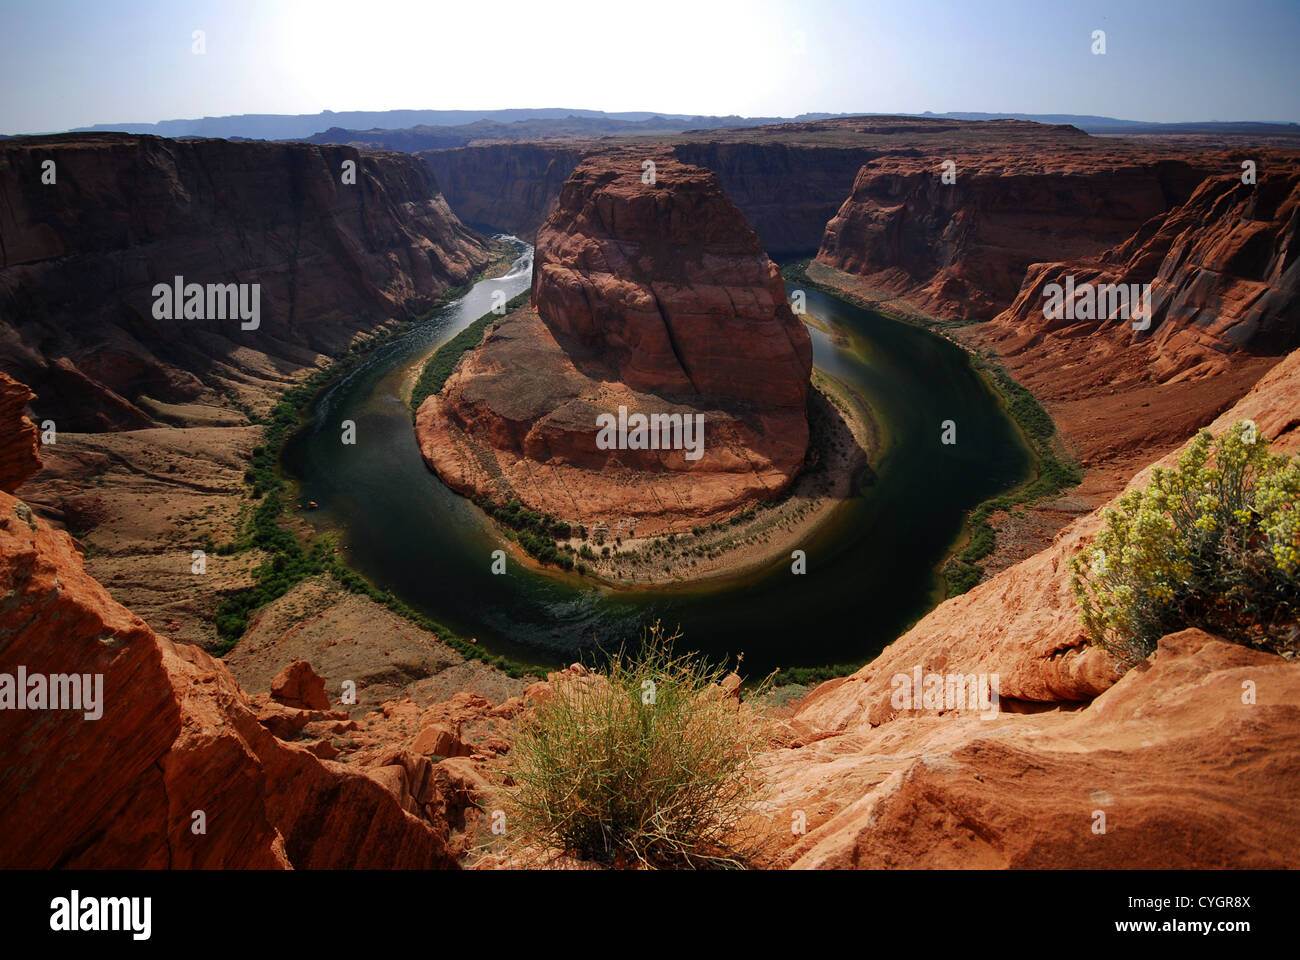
pixel 508 186
pixel 80 257
pixel 787 179
pixel 1223 296
pixel 786 192
pixel 959 250
pixel 1224 272
pixel 653 297
pixel 18 454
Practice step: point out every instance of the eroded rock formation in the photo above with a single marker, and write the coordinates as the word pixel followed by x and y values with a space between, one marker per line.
pixel 119 775
pixel 19 457
pixel 1223 297
pixel 81 255
pixel 1224 276
pixel 656 298
pixel 958 249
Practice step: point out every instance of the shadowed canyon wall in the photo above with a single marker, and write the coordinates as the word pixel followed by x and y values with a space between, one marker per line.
pixel 510 187
pixel 80 257
pixel 786 192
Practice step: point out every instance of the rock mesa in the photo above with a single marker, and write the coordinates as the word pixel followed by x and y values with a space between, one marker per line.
pixel 654 297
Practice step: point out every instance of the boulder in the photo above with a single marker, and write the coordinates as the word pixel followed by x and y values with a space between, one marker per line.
pixel 297 685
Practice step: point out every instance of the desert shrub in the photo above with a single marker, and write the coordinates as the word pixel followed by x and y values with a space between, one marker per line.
pixel 646 764
pixel 1212 543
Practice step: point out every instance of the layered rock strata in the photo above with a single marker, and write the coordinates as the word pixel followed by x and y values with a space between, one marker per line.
pixel 1223 271
pixel 956 240
pixel 335 241
pixel 128 750
pixel 650 299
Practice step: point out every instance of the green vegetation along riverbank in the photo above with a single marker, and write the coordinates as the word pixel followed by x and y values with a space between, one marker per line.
pixel 290 558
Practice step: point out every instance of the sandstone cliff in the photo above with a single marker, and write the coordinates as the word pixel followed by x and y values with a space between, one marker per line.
pixel 787 192
pixel 1223 282
pixel 1223 272
pixel 787 179
pixel 79 259
pixel 19 458
pixel 175 736
pixel 656 298
pixel 1163 751
pixel 508 186
pixel 959 250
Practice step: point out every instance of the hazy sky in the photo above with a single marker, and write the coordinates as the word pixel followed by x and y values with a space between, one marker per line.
pixel 66 63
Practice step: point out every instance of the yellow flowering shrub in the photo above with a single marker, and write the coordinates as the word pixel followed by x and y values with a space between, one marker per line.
pixel 1213 543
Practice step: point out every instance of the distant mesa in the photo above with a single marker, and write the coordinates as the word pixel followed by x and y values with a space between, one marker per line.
pixel 655 297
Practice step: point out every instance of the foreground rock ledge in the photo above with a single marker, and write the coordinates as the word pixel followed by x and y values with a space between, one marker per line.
pixel 175 735
pixel 1188 772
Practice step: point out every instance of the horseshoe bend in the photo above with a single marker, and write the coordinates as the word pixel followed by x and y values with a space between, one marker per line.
pixel 493 490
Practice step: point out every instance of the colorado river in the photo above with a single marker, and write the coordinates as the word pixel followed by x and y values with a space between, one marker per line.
pixel 870 571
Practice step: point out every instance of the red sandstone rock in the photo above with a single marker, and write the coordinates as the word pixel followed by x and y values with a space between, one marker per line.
pixel 174 735
pixel 288 722
pixel 323 749
pixel 508 708
pixel 1185 773
pixel 1222 280
pixel 441 740
pixel 297 685
pixel 667 286
pixel 1164 752
pixel 960 250
pixel 657 298
pixel 19 456
pixel 177 735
